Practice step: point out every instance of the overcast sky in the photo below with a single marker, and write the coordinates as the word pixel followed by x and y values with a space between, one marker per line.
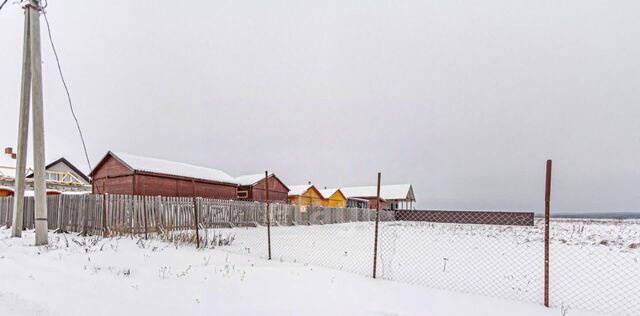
pixel 463 99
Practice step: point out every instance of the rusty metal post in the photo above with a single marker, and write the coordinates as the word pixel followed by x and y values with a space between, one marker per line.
pixel 195 212
pixel 266 189
pixel 375 241
pixel 547 200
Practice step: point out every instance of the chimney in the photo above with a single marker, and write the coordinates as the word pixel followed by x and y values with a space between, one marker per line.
pixel 14 155
pixel 8 150
pixel 309 182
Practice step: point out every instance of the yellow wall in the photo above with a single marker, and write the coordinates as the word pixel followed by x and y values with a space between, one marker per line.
pixel 336 200
pixel 311 197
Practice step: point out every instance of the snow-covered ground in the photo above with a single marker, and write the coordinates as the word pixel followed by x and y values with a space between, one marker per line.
pixel 595 265
pixel 125 276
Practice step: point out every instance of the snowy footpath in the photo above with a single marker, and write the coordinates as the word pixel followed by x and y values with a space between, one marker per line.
pixel 123 276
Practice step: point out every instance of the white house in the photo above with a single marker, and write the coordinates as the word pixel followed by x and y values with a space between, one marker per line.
pixel 394 197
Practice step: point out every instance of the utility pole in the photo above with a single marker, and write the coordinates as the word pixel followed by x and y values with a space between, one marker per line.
pixel 31 94
pixel 23 132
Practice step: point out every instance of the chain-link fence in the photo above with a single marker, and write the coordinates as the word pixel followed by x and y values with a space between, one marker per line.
pixel 494 260
pixel 594 265
pixel 340 238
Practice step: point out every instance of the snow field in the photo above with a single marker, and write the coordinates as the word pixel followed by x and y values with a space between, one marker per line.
pixel 594 264
pixel 129 276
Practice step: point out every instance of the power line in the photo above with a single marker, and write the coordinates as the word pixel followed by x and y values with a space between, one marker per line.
pixel 2 5
pixel 64 83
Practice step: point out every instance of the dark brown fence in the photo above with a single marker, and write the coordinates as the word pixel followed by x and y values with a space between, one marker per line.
pixel 467 217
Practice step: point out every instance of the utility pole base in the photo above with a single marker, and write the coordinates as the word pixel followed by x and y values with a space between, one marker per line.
pixel 42 226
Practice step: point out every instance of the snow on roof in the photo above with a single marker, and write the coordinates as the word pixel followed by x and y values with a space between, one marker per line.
pixel 76 192
pixel 173 168
pixel 295 190
pixel 6 172
pixel 387 192
pixel 327 193
pixel 7 166
pixel 6 188
pixel 32 193
pixel 250 179
pixel 49 191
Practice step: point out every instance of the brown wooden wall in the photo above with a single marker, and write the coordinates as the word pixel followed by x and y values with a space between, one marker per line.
pixel 114 185
pixel 111 167
pixel 112 177
pixel 116 178
pixel 373 202
pixel 257 192
pixel 169 186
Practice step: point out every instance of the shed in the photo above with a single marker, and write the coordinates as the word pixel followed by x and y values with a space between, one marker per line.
pixel 305 195
pixel 122 173
pixel 252 187
pixel 333 198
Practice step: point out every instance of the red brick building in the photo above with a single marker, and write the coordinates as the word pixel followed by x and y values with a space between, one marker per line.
pixel 120 173
pixel 252 187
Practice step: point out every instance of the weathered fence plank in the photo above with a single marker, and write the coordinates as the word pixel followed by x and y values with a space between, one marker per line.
pixel 111 214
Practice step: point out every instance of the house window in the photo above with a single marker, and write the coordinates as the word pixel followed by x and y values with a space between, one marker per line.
pixel 243 194
pixel 52 176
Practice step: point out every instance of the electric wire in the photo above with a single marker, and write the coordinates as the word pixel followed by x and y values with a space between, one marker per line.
pixel 66 88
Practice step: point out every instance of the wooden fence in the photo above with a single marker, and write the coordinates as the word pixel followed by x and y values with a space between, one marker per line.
pixel 110 214
pixel 68 213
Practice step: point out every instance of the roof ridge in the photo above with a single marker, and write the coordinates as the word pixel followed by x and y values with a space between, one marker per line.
pixel 173 168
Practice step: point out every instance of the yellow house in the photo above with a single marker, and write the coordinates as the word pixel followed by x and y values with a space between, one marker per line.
pixel 334 198
pixel 305 195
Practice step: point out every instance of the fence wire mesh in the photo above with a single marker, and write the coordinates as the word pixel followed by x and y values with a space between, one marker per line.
pixel 339 238
pixel 594 264
pixel 501 261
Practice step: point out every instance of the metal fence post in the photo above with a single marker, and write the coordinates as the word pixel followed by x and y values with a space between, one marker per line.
pixel 195 212
pixel 375 241
pixel 547 199
pixel 266 186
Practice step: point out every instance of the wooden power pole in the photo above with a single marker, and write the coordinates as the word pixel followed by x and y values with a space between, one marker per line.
pixel 31 95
